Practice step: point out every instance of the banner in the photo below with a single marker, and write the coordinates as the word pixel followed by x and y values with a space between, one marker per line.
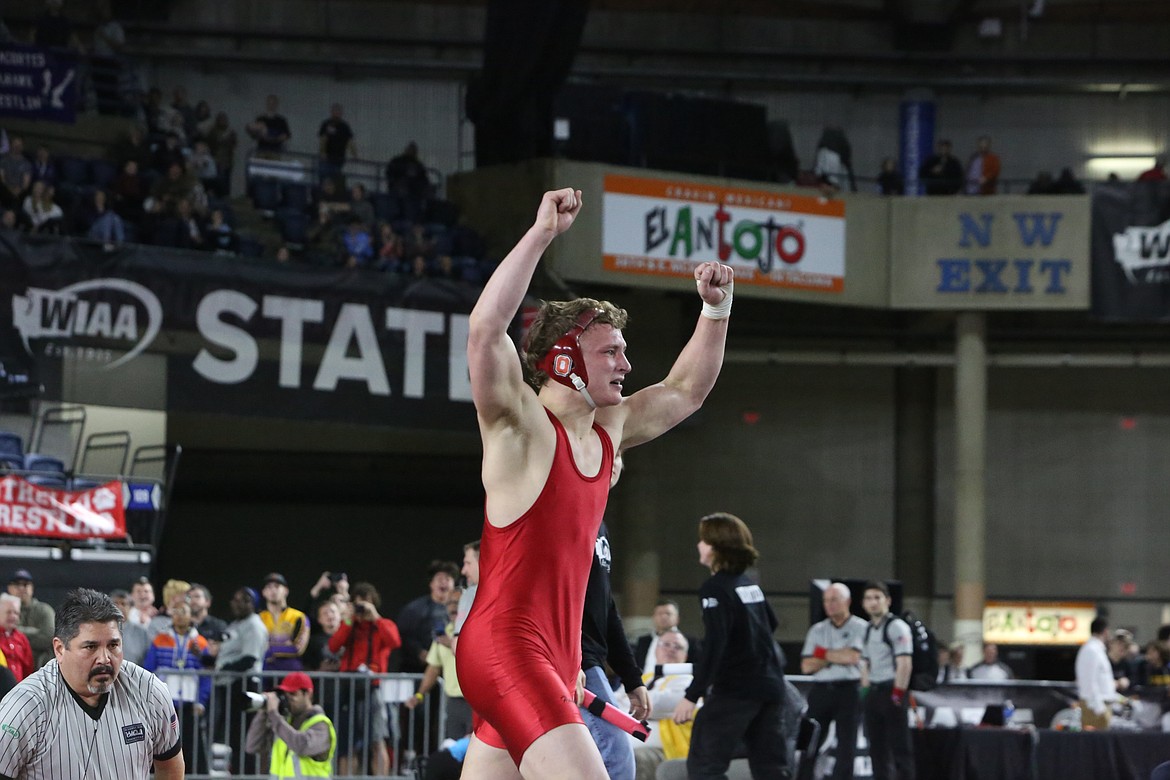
pixel 1037 623
pixel 1003 252
pixel 38 83
pixel 916 139
pixel 666 228
pixel 31 510
pixel 1131 251
pixel 239 337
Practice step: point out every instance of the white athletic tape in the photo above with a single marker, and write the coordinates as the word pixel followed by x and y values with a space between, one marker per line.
pixel 721 310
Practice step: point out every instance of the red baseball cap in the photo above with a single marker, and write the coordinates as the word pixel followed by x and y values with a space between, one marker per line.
pixel 296 681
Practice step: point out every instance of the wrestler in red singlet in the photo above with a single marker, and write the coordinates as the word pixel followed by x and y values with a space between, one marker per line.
pixel 519 652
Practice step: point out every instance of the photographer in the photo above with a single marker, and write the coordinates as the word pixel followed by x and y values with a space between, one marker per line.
pixel 368 640
pixel 296 731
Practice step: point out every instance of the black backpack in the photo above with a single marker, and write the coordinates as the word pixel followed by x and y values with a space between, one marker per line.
pixel 924 661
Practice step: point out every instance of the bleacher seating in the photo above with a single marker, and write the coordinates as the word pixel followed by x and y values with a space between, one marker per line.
pixel 11 450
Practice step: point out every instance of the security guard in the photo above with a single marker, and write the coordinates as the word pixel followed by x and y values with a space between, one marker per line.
pixel 303 743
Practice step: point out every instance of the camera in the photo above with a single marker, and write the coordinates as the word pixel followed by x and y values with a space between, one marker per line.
pixel 361 608
pixel 337 576
pixel 254 702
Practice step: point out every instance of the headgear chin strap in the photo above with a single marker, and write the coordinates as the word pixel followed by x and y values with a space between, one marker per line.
pixel 565 363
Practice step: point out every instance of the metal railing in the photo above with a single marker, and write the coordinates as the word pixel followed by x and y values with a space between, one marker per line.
pixel 215 738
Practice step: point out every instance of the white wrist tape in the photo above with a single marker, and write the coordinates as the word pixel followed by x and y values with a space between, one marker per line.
pixel 721 310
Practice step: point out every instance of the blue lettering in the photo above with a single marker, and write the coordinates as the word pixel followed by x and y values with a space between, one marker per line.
pixel 954 275
pixel 974 230
pixel 1035 226
pixel 992 270
pixel 1054 269
pixel 1023 276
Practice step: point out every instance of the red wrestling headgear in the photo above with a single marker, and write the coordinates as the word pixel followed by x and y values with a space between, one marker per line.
pixel 564 362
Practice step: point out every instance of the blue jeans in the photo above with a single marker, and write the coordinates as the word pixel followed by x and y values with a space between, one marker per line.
pixel 613 743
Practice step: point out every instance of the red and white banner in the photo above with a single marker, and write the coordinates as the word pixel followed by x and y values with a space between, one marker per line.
pixel 31 510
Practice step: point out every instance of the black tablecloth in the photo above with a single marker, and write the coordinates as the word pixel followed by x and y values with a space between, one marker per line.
pixel 1006 754
pixel 973 754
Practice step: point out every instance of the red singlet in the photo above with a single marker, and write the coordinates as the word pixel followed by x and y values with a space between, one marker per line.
pixel 520 650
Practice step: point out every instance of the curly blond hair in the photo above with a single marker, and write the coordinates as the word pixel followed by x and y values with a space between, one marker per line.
pixel 554 320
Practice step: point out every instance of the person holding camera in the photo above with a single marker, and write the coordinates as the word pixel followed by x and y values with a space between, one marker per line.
pixel 367 639
pixel 294 732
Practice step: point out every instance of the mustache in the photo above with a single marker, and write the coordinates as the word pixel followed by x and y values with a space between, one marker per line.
pixel 97 671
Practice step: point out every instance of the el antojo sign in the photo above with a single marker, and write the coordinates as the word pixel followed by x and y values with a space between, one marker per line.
pixel 1037 623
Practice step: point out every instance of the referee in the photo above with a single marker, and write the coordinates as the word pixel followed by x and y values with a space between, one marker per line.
pixel 87 715
pixel 832 655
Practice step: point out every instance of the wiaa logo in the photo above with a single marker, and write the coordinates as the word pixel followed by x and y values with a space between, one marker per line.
pixel 105 313
pixel 1142 250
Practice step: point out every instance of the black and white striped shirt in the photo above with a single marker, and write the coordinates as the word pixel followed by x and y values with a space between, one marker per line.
pixel 47 734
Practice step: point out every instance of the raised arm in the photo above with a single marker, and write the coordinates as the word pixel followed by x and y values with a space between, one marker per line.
pixel 497 379
pixel 653 410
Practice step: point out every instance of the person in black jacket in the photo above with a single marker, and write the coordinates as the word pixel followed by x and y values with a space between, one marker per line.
pixel 741 674
pixel 603 642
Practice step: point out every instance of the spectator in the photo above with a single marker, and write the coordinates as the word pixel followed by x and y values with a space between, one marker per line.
pixel 109 38
pixel 419 242
pixel 941 174
pixel 983 169
pixel 242 650
pixel 219 234
pixel 1157 173
pixel 406 175
pixel 365 644
pixel 43 213
pixel 154 113
pixel 222 140
pixel 890 180
pixel 142 596
pixel 37 619
pixel 834 160
pixel 132 146
pixel 128 192
pixel 470 572
pixel 331 199
pixel 166 193
pixel 1123 660
pixel 318 657
pixel 43 167
pixel 668 740
pixel 323 243
pixel 953 668
pixel 168 153
pixel 105 226
pixel 174 650
pixel 389 247
pixel 990 668
pixel 665 617
pixel 174 594
pixel 441 663
pixel 283 254
pixel 16 174
pixel 445 268
pixel 135 640
pixel 335 139
pixel 201 165
pixel 1042 184
pixel 1067 184
pixel 8 220
pixel 361 207
pixel 185 110
pixel 13 642
pixel 358 245
pixel 288 628
pixel 204 120
pixel 424 619
pixel 209 626
pixel 270 130
pixel 419 269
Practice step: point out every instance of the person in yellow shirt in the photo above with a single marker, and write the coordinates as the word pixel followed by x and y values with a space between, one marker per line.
pixel 299 735
pixel 441 663
pixel 288 628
